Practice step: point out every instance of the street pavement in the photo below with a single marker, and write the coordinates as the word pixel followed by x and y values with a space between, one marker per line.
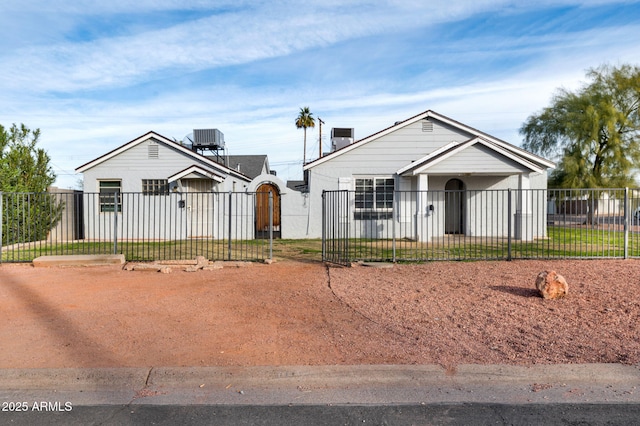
pixel 318 395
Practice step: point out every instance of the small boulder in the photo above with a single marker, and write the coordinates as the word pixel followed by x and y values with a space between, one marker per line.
pixel 551 285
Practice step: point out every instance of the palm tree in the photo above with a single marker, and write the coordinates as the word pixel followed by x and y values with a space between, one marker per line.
pixel 305 119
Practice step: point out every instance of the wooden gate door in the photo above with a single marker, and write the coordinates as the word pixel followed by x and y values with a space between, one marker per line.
pixel 262 211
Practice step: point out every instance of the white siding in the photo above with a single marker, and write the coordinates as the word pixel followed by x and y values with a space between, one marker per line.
pixel 477 159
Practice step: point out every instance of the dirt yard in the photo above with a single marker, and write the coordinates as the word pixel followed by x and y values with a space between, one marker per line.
pixel 305 313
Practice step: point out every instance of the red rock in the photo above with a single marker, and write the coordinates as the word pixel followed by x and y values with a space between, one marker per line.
pixel 551 285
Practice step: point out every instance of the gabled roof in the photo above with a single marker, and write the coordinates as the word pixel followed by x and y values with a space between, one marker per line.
pixel 250 165
pixel 454 148
pixel 540 162
pixel 197 171
pixel 215 166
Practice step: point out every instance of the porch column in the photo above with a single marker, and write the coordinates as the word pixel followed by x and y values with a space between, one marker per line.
pixel 523 217
pixel 422 205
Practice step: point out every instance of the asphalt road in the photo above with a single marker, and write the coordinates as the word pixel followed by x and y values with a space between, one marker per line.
pixel 588 394
pixel 322 415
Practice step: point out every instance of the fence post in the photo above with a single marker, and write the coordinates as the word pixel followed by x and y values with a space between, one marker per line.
pixel 509 218
pixel 115 222
pixel 230 226
pixel 1 216
pixel 396 203
pixel 626 222
pixel 271 225
pixel 324 226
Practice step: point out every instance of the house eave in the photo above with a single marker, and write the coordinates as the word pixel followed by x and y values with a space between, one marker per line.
pixel 540 162
pixel 158 137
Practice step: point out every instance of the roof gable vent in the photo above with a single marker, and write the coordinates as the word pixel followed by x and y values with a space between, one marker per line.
pixel 427 126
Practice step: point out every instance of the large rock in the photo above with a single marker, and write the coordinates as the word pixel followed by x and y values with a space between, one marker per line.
pixel 551 285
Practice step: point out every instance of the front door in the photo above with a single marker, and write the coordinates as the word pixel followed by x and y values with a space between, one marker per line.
pixel 262 210
pixel 454 207
pixel 199 207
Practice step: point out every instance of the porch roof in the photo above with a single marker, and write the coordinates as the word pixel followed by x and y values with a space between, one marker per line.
pixel 195 172
pixel 453 149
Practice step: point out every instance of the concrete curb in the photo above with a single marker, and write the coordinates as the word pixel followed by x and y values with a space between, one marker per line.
pixel 336 385
pixel 79 260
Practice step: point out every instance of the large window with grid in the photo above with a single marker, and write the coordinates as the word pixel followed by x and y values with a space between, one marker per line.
pixel 110 196
pixel 155 187
pixel 374 198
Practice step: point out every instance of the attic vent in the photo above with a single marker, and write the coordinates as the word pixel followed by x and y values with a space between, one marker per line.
pixel 427 126
pixel 153 151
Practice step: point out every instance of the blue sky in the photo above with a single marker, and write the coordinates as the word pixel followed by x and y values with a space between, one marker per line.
pixel 94 75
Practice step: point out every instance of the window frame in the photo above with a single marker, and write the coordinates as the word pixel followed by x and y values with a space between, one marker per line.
pixel 374 197
pixel 105 195
pixel 155 187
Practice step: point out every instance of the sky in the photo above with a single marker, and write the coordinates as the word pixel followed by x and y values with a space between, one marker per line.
pixel 95 75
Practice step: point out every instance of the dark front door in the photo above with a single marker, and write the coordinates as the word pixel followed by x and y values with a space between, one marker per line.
pixel 454 207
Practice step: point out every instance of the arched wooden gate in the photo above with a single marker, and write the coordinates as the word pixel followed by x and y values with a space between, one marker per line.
pixel 262 210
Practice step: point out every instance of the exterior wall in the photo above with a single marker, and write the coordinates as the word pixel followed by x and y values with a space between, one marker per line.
pixel 478 167
pixel 382 157
pixel 173 216
pixel 135 164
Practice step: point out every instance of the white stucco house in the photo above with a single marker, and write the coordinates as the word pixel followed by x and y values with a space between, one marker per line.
pixel 427 152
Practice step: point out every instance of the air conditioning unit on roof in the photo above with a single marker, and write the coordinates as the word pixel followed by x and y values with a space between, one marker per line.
pixel 208 139
pixel 341 137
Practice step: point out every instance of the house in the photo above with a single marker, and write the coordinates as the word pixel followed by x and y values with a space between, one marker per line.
pixel 401 178
pixel 161 189
pixel 422 157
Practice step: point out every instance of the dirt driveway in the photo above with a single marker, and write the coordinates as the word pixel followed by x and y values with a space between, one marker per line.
pixel 304 313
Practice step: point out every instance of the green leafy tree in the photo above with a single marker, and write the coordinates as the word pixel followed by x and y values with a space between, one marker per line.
pixel 305 119
pixel 28 211
pixel 593 133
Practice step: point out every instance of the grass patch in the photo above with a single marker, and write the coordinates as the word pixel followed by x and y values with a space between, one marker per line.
pixel 561 242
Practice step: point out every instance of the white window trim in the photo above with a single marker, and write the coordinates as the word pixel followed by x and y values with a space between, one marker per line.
pixel 375 208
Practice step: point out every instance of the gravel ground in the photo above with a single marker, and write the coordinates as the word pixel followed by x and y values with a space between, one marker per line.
pixel 305 313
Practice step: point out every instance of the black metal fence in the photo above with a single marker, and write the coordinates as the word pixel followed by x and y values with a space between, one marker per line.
pixel 482 224
pixel 218 226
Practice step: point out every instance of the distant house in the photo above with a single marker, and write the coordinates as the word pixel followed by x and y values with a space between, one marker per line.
pixel 249 165
pixel 426 152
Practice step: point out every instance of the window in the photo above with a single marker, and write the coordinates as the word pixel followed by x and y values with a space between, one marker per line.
pixel 155 187
pixel 108 191
pixel 374 198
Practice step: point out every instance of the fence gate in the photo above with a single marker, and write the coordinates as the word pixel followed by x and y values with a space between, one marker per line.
pixel 335 226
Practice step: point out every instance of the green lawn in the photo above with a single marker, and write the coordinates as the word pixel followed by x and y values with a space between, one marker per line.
pixel 561 242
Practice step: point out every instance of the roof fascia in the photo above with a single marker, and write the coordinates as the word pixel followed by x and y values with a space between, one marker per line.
pixel 506 153
pixel 505 145
pixel 426 158
pixel 530 158
pixel 168 142
pixel 366 140
pixel 196 169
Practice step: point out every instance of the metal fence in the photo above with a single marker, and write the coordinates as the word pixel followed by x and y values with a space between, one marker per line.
pixel 482 224
pixel 218 226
